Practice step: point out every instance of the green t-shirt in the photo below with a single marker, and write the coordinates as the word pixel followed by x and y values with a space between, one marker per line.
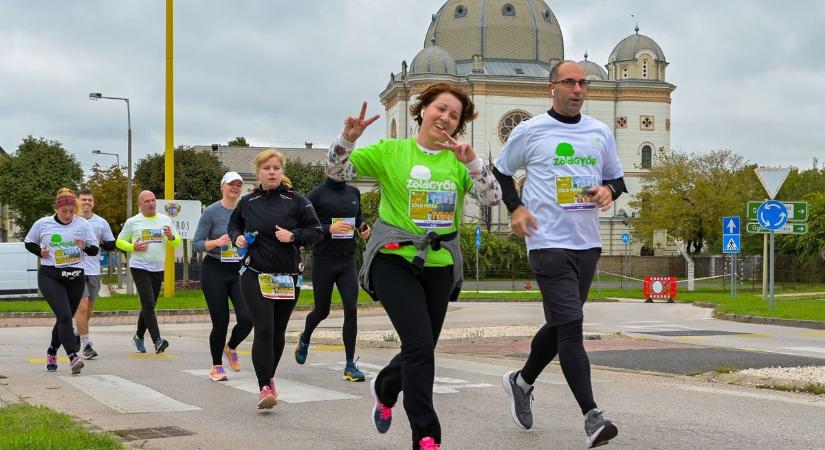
pixel 420 192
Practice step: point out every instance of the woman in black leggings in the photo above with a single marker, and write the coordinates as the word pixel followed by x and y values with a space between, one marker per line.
pixel 219 277
pixel 281 220
pixel 333 264
pixel 61 242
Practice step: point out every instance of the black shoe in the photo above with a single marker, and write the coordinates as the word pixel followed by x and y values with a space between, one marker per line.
pixel 599 430
pixel 88 351
pixel 160 345
pixel 520 401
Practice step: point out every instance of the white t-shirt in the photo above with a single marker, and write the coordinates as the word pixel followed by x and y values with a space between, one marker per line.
pixel 562 160
pixel 103 232
pixel 60 239
pixel 149 230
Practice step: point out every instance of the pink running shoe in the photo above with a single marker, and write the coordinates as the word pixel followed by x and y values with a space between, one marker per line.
pixel 427 443
pixel 51 362
pixel 267 398
pixel 76 364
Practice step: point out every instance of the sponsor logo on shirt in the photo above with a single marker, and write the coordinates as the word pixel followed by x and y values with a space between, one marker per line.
pixel 566 155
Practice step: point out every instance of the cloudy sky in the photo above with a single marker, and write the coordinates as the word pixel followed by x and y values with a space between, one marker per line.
pixel 750 75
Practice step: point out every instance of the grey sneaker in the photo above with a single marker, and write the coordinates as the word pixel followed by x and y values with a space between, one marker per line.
pixel 520 401
pixel 137 342
pixel 160 345
pixel 599 430
pixel 88 351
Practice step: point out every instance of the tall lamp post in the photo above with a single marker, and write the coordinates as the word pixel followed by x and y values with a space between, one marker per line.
pixel 98 96
pixel 98 152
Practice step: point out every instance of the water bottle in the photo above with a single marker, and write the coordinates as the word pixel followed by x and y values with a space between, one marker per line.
pixel 250 238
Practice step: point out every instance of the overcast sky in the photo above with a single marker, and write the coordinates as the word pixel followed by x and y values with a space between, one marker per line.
pixel 750 75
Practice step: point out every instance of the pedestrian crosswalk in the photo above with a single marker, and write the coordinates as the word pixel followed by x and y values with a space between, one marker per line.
pixel 288 391
pixel 126 396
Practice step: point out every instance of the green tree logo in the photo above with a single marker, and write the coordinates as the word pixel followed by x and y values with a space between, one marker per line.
pixel 564 149
pixel 57 239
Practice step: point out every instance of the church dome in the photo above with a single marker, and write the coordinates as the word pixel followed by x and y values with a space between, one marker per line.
pixel 592 71
pixel 497 29
pixel 433 59
pixel 628 49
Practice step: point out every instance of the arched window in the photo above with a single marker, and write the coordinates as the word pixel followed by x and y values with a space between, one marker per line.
pixel 393 129
pixel 508 10
pixel 509 121
pixel 460 11
pixel 647 156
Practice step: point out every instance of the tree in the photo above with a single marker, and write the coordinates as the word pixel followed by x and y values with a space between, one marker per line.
pixel 304 176
pixel 197 175
pixel 688 194
pixel 30 178
pixel 109 189
pixel 239 141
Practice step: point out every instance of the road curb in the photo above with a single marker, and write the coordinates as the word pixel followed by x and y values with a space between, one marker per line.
pixel 816 325
pixel 768 382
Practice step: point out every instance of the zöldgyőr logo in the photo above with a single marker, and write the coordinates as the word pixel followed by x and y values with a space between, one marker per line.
pixel 565 155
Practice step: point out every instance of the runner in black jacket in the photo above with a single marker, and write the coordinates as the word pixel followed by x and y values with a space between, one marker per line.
pixel 283 220
pixel 333 263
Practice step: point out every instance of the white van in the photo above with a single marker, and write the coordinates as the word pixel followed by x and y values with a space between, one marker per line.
pixel 18 271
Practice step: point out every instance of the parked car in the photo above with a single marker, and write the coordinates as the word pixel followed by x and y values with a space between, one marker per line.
pixel 18 271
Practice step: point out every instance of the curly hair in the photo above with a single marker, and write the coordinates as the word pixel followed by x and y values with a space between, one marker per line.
pixel 468 109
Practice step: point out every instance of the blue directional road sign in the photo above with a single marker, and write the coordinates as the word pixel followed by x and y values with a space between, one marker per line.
pixel 731 239
pixel 626 238
pixel 478 236
pixel 772 215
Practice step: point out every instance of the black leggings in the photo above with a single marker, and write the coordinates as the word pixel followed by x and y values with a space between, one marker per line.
pixel 220 282
pixel 416 303
pixel 269 318
pixel 148 287
pixel 63 289
pixel 339 271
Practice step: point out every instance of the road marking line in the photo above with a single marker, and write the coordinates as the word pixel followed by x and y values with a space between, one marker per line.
pixel 288 391
pixel 150 356
pixel 751 335
pixel 62 359
pixel 815 334
pixel 493 369
pixel 772 397
pixel 646 321
pixel 125 396
pixel 807 349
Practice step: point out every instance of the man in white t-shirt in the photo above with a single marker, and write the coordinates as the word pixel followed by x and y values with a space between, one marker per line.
pixel 91 270
pixel 147 234
pixel 573 171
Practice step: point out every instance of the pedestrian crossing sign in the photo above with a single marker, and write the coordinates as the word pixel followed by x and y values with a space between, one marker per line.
pixel 731 243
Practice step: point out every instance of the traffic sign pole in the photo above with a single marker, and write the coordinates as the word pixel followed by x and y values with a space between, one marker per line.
pixel 773 268
pixel 765 268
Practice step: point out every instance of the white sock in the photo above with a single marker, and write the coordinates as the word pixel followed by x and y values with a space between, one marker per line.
pixel 525 386
pixel 84 340
pixel 76 333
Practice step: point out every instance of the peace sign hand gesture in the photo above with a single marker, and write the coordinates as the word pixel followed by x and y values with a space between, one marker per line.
pixel 354 126
pixel 463 151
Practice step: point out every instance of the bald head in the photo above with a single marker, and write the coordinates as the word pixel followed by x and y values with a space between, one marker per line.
pixel 568 88
pixel 147 203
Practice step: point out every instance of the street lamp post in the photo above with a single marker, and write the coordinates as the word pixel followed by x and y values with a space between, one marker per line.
pixel 98 96
pixel 98 152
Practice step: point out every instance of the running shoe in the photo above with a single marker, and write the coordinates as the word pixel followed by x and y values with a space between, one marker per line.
pixel 381 414
pixel 138 344
pixel 599 430
pixel 301 350
pixel 160 345
pixel 427 443
pixel 232 358
pixel 267 398
pixel 217 373
pixel 51 362
pixel 76 364
pixel 520 401
pixel 352 373
pixel 88 351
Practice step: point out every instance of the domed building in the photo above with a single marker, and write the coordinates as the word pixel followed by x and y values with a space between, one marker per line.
pixel 501 52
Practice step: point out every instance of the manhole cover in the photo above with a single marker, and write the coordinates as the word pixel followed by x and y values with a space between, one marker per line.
pixel 691 333
pixel 151 433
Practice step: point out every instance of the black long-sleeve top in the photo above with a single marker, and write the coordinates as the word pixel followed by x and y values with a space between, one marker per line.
pixel 263 209
pixel 336 199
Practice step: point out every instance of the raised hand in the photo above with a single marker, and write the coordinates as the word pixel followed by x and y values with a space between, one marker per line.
pixel 354 126
pixel 522 222
pixel 463 151
pixel 141 246
pixel 45 252
pixel 283 235
pixel 340 227
pixel 601 196
pixel 167 231
pixel 365 230
pixel 241 241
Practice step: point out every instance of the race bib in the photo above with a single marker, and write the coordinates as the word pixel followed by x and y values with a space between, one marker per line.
pixel 230 254
pixel 350 220
pixel 276 287
pixel 151 235
pixel 432 209
pixel 571 192
pixel 66 256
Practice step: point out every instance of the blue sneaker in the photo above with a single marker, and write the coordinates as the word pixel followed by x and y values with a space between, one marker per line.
pixel 301 350
pixel 381 413
pixel 352 373
pixel 138 344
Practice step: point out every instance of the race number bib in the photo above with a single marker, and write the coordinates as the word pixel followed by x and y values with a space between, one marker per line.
pixel 432 209
pixel 151 235
pixel 571 192
pixel 350 220
pixel 66 256
pixel 276 287
pixel 230 254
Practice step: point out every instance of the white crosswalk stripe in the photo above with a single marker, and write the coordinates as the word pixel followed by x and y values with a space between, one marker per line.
pixel 288 391
pixel 125 396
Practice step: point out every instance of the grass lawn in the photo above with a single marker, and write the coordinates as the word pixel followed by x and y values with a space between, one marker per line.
pixel 746 302
pixel 26 426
